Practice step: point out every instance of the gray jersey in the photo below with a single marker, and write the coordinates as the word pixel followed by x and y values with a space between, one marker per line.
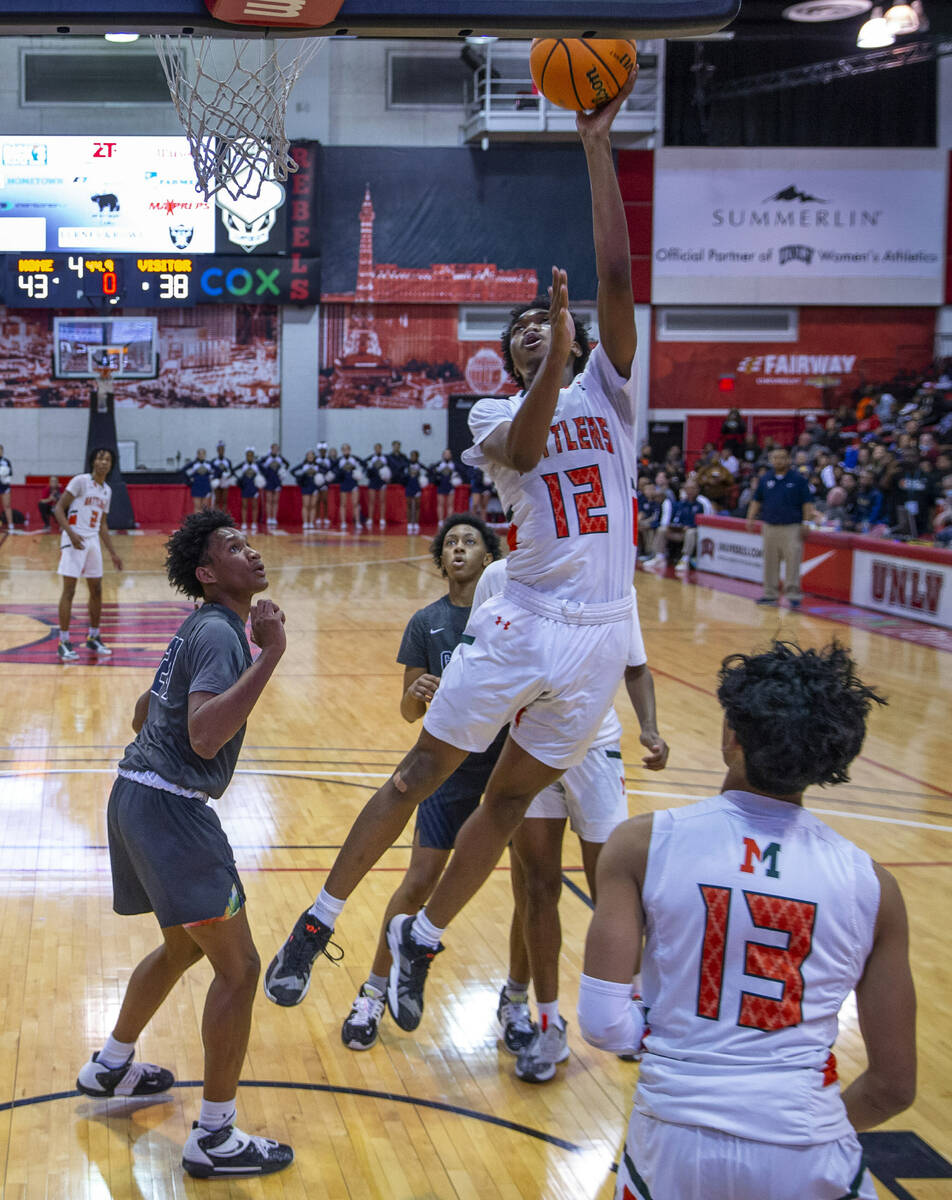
pixel 432 634
pixel 208 654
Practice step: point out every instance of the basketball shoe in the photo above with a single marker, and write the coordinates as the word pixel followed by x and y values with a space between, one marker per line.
pixel 359 1031
pixel 97 645
pixel 230 1153
pixel 411 963
pixel 518 1028
pixel 289 973
pixel 130 1079
pixel 65 652
pixel 536 1064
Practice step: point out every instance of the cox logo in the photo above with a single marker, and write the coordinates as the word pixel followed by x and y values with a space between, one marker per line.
pixel 239 281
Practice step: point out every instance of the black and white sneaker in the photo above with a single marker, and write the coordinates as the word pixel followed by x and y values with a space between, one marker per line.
pixel 536 1064
pixel 359 1031
pixel 97 645
pixel 515 1020
pixel 230 1153
pixel 411 963
pixel 65 652
pixel 131 1079
pixel 288 976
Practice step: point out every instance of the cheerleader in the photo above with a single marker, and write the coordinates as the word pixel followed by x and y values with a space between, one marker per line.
pixel 446 477
pixel 6 474
pixel 480 489
pixel 272 466
pixel 222 477
pixel 325 476
pixel 378 476
pixel 414 483
pixel 198 473
pixel 350 476
pixel 250 483
pixel 309 477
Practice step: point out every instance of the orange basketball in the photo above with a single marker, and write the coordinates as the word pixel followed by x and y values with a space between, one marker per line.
pixel 581 73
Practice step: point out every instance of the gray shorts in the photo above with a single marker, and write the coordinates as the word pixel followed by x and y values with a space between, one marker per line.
pixel 169 855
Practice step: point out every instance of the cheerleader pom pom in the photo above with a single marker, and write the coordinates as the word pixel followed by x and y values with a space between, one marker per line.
pixel 319 479
pixel 5 473
pixel 385 474
pixel 456 479
pixel 329 477
pixel 424 479
pixel 361 478
pixel 259 482
pixel 226 481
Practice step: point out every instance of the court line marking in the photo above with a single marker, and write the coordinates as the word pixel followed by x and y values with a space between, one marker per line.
pixel 336 776
pixel 332 1089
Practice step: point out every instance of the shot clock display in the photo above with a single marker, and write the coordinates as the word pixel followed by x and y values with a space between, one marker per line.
pixel 140 281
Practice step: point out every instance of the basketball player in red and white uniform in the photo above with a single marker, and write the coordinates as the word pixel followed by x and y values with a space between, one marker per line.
pixel 81 512
pixel 758 921
pixel 547 655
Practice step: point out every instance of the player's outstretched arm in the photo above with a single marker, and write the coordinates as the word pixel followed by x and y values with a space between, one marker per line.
pixel 616 307
pixel 886 1004
pixel 640 687
pixel 214 719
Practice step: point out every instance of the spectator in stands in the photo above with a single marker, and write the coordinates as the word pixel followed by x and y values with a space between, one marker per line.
pixel 826 469
pixel 663 488
pixel 678 525
pixel 914 494
pixel 709 456
pixel 717 485
pixel 866 508
pixel 646 463
pixel 747 493
pixel 729 461
pixel 749 453
pixel 784 499
pixel 942 521
pixel 835 515
pixel 47 503
pixel 674 464
pixel 649 514
pixel 886 407
pixel 733 432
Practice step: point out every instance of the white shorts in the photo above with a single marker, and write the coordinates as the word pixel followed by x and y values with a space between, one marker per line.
pixel 551 671
pixel 592 795
pixel 86 562
pixel 684 1162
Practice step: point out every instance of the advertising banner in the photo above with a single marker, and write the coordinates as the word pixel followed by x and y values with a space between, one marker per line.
pixel 836 350
pixel 917 588
pixel 775 226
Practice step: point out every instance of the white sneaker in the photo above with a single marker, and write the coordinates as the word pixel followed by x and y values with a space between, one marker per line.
pixel 230 1153
pixel 343 526
pixel 381 524
pixel 681 564
pixel 536 1064
pixel 131 1079
pixel 254 526
pixel 244 528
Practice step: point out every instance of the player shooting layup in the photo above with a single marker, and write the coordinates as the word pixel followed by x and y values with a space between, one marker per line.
pixel 549 653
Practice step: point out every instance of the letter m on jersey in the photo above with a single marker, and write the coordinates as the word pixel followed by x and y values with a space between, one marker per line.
pixel 768 856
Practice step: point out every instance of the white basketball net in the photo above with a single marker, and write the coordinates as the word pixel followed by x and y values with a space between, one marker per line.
pixel 232 97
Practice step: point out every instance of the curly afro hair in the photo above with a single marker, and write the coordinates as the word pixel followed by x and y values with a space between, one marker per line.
pixel 187 549
pixel 490 540
pixel 505 338
pixel 799 715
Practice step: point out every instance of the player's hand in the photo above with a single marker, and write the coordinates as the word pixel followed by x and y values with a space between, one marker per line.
pixel 751 526
pixel 267 626
pixel 424 688
pixel 116 560
pixel 657 757
pixel 560 318
pixel 76 540
pixel 599 121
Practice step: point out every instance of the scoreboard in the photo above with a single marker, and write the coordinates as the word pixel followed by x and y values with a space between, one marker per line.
pixel 101 281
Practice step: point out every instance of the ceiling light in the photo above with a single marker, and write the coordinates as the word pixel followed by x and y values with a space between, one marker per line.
pixel 875 33
pixel 901 19
pixel 121 37
pixel 826 10
pixel 480 39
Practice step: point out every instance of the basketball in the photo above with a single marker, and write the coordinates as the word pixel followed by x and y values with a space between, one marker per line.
pixel 581 73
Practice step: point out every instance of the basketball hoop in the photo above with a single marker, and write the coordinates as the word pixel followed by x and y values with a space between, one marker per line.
pixel 232 97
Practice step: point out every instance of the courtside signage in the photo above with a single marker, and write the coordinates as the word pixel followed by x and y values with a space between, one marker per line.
pixel 904 587
pixel 761 226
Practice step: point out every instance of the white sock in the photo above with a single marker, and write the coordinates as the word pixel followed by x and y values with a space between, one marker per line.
pixel 115 1054
pixel 64 635
pixel 549 1014
pixel 424 932
pixel 327 908
pixel 215 1114
pixel 93 632
pixel 378 982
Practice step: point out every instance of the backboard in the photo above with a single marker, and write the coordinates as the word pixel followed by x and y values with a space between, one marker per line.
pixel 372 18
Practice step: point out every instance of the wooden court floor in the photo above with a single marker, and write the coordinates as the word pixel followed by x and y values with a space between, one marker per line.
pixel 437 1114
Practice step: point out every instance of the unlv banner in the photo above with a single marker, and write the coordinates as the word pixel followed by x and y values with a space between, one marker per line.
pixel 916 585
pixel 809 227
